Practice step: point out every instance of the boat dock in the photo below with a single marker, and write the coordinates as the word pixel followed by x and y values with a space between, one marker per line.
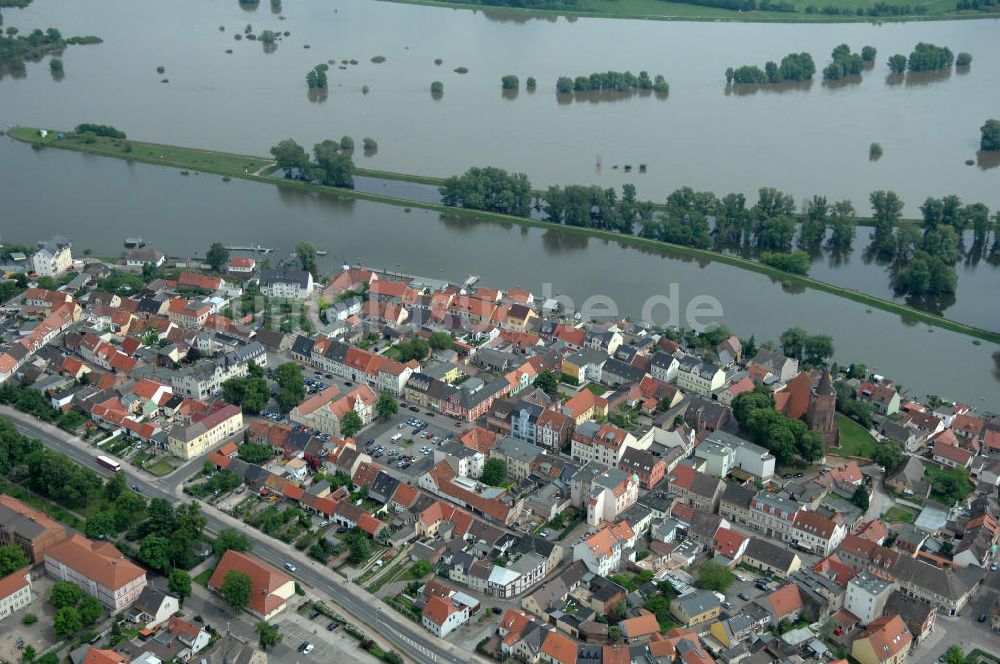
pixel 259 248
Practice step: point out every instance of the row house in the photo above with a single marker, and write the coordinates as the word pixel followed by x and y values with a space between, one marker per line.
pixel 187 313
pixel 695 488
pixel 643 464
pixel 698 377
pixel 356 364
pixel 325 411
pixel 472 400
pixel 816 533
pixel 604 551
pixel 584 406
pixel 554 430
pixel 426 391
pixel 773 515
pixel 205 431
pixel 601 443
pixel 204 380
pixel 611 493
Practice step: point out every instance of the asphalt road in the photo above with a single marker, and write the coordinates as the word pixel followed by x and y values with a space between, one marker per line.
pixel 409 639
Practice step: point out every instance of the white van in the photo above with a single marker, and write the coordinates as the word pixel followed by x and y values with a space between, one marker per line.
pixel 396 437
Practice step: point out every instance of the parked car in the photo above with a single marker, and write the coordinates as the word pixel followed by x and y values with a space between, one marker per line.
pixel 744 597
pixel 332 626
pixel 727 604
pixel 414 409
pixel 314 614
pixel 290 567
pixel 982 617
pixel 306 648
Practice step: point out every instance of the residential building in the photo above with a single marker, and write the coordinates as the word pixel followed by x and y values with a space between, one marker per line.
pixel 885 641
pixel 698 377
pixel 271 589
pixel 746 456
pixel 517 455
pixel 52 257
pixel 818 534
pixel 604 551
pixel 664 367
pixel 951 456
pixel 645 465
pixel 325 411
pixel 695 488
pixel 771 558
pixel 153 607
pixel 773 515
pixel 15 592
pixel 866 596
pixel 203 432
pixel 602 443
pixel 717 458
pixel 611 493
pixel 584 406
pixel 99 568
pixel 695 607
pixel 286 284
pixel 441 616
pixel 26 527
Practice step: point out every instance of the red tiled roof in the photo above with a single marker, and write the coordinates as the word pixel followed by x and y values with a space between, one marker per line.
pixel 265 579
pixel 559 648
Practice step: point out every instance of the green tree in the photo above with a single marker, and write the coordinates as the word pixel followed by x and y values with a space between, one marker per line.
pixel 256 453
pixel 65 594
pixel 101 525
pixel 359 545
pixel 437 88
pixel 346 143
pixel 547 381
pixel 129 510
pixel 387 405
pixel 236 589
pixel 231 539
pixel 268 635
pixel 12 558
pixel 793 341
pixel 179 583
pixel 154 552
pixel 307 256
pixel 860 498
pixel 441 341
pixel 897 63
pixel 509 82
pixel 291 157
pixel 89 610
pixel 989 140
pixel 713 576
pixel 217 256
pixel 28 654
pixel 955 655
pixel 114 487
pixel 335 168
pixel 49 658
pixel 66 621
pixel 494 471
pixel 351 424
pixel 888 454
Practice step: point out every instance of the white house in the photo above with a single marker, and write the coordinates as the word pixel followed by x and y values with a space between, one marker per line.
pixel 53 257
pixel 286 284
pixel 443 616
pixel 866 596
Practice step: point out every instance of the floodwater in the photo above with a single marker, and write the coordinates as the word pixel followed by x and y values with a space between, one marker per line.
pixel 804 139
pixel 97 202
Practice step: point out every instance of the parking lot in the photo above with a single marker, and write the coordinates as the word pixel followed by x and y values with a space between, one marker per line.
pixel 328 645
pixel 405 442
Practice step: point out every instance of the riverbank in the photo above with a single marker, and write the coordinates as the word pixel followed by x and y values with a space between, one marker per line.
pixel 657 10
pixel 247 168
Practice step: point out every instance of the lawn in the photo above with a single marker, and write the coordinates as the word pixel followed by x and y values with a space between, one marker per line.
pixel 203 577
pixel 854 439
pixel 898 515
pixel 948 485
pixel 161 468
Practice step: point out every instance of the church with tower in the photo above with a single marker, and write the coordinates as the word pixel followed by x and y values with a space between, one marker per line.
pixel 811 397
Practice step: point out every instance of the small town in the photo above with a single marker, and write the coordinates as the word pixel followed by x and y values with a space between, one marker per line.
pixel 236 458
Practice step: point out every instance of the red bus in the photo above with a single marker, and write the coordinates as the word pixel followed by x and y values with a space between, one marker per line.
pixel 109 463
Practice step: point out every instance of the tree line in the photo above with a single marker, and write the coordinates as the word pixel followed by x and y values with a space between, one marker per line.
pixel 793 67
pixel 925 57
pixel 846 63
pixel 16 49
pixel 922 258
pixel 876 10
pixel 331 165
pixel 615 81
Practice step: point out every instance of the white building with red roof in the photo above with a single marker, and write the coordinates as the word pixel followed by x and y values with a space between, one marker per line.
pixel 441 616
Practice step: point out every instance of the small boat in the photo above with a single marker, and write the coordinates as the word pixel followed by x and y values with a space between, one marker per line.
pixel 134 242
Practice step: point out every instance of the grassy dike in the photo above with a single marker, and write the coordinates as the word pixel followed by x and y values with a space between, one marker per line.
pixel 247 167
pixel 660 10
